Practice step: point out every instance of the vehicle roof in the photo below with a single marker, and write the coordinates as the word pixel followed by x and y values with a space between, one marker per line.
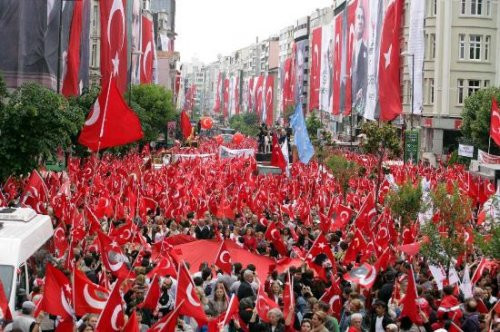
pixel 20 240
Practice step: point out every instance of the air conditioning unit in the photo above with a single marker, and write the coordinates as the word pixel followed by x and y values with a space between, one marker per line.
pixel 17 214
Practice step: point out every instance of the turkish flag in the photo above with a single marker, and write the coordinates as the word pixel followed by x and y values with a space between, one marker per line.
pixel 93 222
pixel 112 317
pixel 363 275
pixel 358 244
pixel 319 247
pixel 342 218
pixel 132 324
pixel 111 122
pixel 288 298
pixel 88 297
pixel 35 193
pixel 70 86
pixel 168 322
pixel 389 88
pixel 223 260
pixel 250 94
pixel 365 214
pixel 269 100
pixel 383 260
pixel 264 304
pixel 114 43
pixel 185 293
pixel 273 235
pixel 112 257
pixel 225 96
pixel 337 64
pixel 333 296
pixel 57 290
pixel 287 84
pixel 4 304
pixel 259 92
pixel 163 268
pixel 277 158
pixel 495 122
pixel 217 95
pixel 237 95
pixel 60 241
pixel 315 76
pixel 351 20
pixel 233 309
pixel 153 294
pixel 147 51
pixel 409 302
pixel 186 127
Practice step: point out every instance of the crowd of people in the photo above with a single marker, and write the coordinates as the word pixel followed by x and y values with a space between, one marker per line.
pixel 318 277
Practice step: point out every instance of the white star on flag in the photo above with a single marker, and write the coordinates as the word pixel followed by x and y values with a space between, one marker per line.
pixel 116 64
pixel 387 57
pixel 322 245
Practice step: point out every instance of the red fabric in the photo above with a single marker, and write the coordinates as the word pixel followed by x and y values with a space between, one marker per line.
pixel 111 122
pixel 287 84
pixel 259 94
pixel 88 297
pixel 57 290
pixel 389 64
pixel 4 304
pixel 410 249
pixel 186 127
pixel 337 62
pixel 169 322
pixel 273 235
pixel 269 100
pixel 409 302
pixel 153 294
pixel 70 85
pixel 315 76
pixel 237 96
pixel 264 304
pixel 226 98
pixel 232 310
pixel 147 51
pixel 223 260
pixel 217 95
pixel 132 324
pixel 495 122
pixel 163 268
pixel 348 93
pixel 35 193
pixel 186 293
pixel 112 317
pixel 277 158
pixel 357 244
pixel 112 257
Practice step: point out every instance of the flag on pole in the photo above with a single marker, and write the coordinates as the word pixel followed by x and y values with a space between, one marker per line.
pixel 495 122
pixel 302 141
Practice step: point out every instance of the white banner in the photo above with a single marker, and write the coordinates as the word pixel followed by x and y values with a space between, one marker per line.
pixel 325 84
pixel 486 158
pixel 225 152
pixel 416 46
pixel 176 157
pixel 466 150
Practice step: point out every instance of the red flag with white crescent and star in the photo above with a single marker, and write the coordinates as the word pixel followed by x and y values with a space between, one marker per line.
pixel 112 257
pixel 112 317
pixel 147 51
pixel 114 42
pixel 495 122
pixel 70 86
pixel 269 100
pixel 186 293
pixel 315 76
pixel 87 296
pixel 389 76
pixel 264 304
pixel 57 290
pixel 223 260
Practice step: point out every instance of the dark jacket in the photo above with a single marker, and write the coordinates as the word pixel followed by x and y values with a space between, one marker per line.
pixel 265 327
pixel 204 233
pixel 470 322
pixel 245 290
pixel 385 321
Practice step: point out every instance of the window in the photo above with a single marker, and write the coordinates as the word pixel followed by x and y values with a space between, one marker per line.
pixel 461 46
pixel 462 7
pixel 95 17
pixel 433 45
pixel 434 7
pixel 93 58
pixel 431 91
pixel 476 7
pixel 474 47
pixel 488 7
pixel 460 90
pixel 486 83
pixel 474 86
pixel 487 48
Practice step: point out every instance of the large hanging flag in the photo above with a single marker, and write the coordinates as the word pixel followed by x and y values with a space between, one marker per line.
pixel 337 63
pixel 302 141
pixel 267 114
pixel 389 86
pixel 495 122
pixel 113 43
pixel 111 122
pixel 217 94
pixel 259 95
pixel 315 75
pixel 226 98
pixel 326 72
pixel 71 82
pixel 287 84
pixel 354 71
pixel 250 94
pixel 147 51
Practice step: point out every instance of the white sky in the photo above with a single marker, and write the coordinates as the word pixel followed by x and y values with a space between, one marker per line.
pixel 206 28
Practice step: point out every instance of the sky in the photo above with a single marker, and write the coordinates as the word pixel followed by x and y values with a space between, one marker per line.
pixel 207 28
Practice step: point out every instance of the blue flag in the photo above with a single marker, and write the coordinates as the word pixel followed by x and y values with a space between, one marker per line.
pixel 302 141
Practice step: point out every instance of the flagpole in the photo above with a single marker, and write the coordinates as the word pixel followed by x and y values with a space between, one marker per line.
pixel 489 144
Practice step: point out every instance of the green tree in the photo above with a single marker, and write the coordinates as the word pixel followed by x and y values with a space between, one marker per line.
pixel 246 123
pixel 454 212
pixel 33 124
pixel 343 170
pixel 476 118
pixel 155 107
pixel 489 247
pixel 313 124
pixel 405 203
pixel 380 141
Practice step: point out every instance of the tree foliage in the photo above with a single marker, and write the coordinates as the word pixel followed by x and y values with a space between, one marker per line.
pixel 154 106
pixel 343 170
pixel 489 245
pixel 476 118
pixel 405 203
pixel 313 123
pixel 446 235
pixel 246 123
pixel 33 124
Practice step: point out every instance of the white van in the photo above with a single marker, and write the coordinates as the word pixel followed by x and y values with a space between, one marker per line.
pixel 22 233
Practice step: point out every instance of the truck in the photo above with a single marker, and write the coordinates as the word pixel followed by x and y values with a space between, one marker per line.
pixel 22 233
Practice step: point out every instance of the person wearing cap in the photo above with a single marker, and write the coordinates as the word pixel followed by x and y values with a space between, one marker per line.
pixel 25 322
pixel 380 317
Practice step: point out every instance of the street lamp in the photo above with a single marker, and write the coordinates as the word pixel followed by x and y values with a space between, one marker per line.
pixel 412 84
